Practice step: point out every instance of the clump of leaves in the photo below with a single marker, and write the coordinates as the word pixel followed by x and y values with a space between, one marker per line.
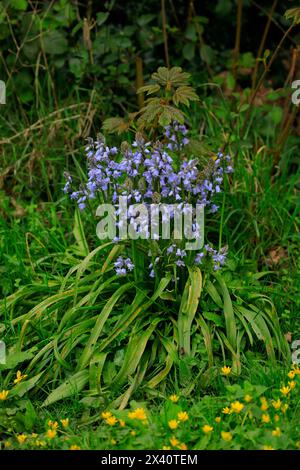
pixel 172 90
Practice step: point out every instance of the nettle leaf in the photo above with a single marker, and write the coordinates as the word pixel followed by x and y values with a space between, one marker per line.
pixel 293 14
pixel 184 94
pixel 149 89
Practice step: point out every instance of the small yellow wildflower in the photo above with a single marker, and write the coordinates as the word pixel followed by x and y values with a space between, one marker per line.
pixel 285 390
pixel 182 446
pixel 166 448
pixel 264 404
pixel 265 418
pixel 226 436
pixel 236 407
pixel 284 407
pixel 51 433
pixel 138 413
pixel 226 370
pixel 226 410
pixel 21 438
pixel 173 424
pixel 122 423
pixel 276 432
pixel 20 377
pixel 207 429
pixel 292 384
pixel 106 414
pixel 174 442
pixel 276 404
pixel 291 374
pixel 132 433
pixel 113 442
pixel 111 420
pixel 218 419
pixel 53 425
pixel 183 416
pixel 75 447
pixel 4 395
pixel 276 418
pixel 268 447
pixel 65 422
pixel 248 398
pixel 174 398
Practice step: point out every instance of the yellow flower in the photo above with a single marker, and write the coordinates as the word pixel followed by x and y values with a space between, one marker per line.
pixel 138 413
pixel 20 377
pixel 207 429
pixel 173 424
pixel 53 425
pixel 218 419
pixel 265 418
pixel 132 433
pixel 106 414
pixel 75 447
pixel 65 422
pixel 122 422
pixel 276 432
pixel 111 420
pixel 182 446
pixel 226 370
pixel 51 433
pixel 174 398
pixel 284 407
pixel 285 390
pixel 166 448
pixel 264 404
pixel 276 404
pixel 226 436
pixel 276 418
pixel 236 407
pixel 248 398
pixel 40 443
pixel 7 444
pixel 291 374
pixel 183 416
pixel 34 435
pixel 3 395
pixel 268 447
pixel 174 442
pixel 113 442
pixel 21 438
pixel 292 384
pixel 226 410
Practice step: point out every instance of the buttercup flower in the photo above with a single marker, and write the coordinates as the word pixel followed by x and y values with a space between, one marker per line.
pixel 291 374
pixel 4 395
pixel 174 442
pixel 276 404
pixel 75 447
pixel 218 419
pixel 106 414
pixel 182 446
pixel 285 390
pixel 226 436
pixel 138 413
pixel 20 377
pixel 173 424
pixel 111 420
pixel 226 370
pixel 53 425
pixel 248 398
pixel 21 438
pixel 51 433
pixel 122 423
pixel 183 416
pixel 266 418
pixel 174 398
pixel 292 384
pixel 226 410
pixel 276 432
pixel 65 422
pixel 207 429
pixel 236 407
